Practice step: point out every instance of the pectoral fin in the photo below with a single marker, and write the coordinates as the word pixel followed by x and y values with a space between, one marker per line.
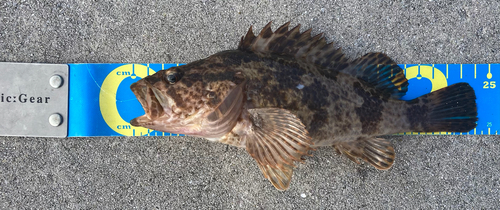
pixel 225 116
pixel 376 151
pixel 276 140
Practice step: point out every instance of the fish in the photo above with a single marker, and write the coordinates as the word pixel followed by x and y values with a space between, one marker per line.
pixel 282 94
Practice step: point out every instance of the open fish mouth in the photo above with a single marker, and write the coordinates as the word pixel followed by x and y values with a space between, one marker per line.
pixel 154 103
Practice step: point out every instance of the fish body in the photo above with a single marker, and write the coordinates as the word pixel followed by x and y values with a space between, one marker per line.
pixel 283 93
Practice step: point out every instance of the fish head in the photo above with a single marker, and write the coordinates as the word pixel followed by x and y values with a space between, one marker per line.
pixel 194 100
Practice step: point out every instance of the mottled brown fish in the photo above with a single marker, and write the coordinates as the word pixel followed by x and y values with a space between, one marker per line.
pixel 283 93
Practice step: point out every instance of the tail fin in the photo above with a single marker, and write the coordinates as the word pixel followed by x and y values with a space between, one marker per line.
pixel 451 109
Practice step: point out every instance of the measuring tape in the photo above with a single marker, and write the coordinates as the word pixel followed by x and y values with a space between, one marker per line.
pixel 101 103
pixel 426 78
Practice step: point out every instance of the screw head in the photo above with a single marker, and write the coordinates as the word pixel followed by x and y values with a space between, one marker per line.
pixel 55 119
pixel 56 81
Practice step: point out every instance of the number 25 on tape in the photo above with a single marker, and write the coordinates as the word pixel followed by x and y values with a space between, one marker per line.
pixel 489 84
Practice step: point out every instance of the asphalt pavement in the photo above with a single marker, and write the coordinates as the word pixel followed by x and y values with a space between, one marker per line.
pixel 430 172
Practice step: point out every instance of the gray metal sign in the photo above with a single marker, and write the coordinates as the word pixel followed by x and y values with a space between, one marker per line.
pixel 34 99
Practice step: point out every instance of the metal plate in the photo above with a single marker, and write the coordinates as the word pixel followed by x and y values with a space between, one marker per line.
pixel 34 99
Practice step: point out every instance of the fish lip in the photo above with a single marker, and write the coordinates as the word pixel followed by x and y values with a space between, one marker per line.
pixel 135 122
pixel 140 121
pixel 140 90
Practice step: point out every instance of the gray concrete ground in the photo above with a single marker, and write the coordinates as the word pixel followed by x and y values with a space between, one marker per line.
pixel 430 172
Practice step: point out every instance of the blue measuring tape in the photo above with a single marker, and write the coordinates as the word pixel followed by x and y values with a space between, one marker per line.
pixel 101 103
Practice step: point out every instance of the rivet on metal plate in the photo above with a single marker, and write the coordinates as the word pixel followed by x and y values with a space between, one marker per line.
pixel 56 81
pixel 55 119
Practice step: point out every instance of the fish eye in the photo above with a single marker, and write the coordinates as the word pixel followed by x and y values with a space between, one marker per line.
pixel 172 77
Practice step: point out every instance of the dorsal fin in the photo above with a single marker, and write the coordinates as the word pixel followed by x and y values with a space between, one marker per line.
pixel 375 68
pixel 313 50
pixel 380 71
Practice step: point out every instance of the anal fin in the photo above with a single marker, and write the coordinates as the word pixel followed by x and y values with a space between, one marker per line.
pixel 376 151
pixel 276 140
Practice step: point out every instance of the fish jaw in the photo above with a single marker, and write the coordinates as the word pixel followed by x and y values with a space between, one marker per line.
pixel 203 113
pixel 158 111
pixel 166 125
pixel 154 103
